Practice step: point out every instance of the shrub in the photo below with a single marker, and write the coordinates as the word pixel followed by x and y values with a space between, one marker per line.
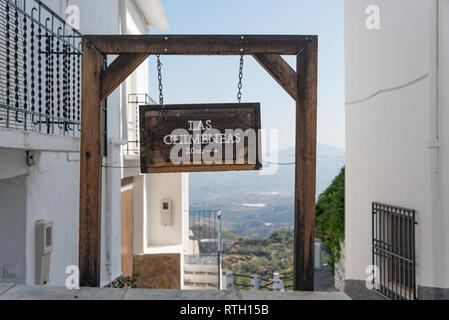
pixel 330 218
pixel 125 282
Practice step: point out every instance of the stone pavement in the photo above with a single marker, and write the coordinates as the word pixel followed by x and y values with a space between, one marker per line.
pixel 22 292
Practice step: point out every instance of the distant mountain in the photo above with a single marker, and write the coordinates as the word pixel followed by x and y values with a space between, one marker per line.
pixel 247 196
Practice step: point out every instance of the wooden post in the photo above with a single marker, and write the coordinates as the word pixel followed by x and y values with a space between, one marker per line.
pixel 305 172
pixel 90 171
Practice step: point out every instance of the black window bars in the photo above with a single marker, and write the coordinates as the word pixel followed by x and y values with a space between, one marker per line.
pixel 40 69
pixel 393 236
pixel 134 101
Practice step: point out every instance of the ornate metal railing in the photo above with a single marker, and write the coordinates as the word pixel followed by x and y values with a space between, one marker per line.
pixel 40 69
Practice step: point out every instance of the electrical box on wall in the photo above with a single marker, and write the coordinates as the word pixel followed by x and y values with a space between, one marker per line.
pixel 166 213
pixel 44 247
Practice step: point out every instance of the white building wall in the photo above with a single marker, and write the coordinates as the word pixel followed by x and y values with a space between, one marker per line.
pixel 57 168
pixel 12 163
pixel 443 111
pixel 52 185
pixel 165 187
pixel 57 202
pixel 52 189
pixel 12 229
pixel 391 126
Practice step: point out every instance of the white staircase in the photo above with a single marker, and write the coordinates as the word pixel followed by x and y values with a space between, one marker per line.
pixel 200 276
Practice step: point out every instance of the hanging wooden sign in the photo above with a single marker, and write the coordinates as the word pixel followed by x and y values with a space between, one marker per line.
pixel 199 137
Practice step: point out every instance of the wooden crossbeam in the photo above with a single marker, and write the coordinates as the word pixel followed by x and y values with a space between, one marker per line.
pixel 200 44
pixel 119 70
pixel 281 71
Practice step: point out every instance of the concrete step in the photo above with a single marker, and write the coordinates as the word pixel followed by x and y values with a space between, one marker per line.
pixel 21 292
pixel 206 268
pixel 199 287
pixel 200 278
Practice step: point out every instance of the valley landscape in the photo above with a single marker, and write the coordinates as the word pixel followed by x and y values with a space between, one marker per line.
pixel 253 206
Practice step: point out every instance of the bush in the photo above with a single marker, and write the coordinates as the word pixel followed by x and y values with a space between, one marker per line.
pixel 330 218
pixel 125 282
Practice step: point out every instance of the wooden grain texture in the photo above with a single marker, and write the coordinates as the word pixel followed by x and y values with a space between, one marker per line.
pixel 127 254
pixel 305 172
pixel 158 122
pixel 281 71
pixel 118 71
pixel 200 44
pixel 90 171
pixel 158 271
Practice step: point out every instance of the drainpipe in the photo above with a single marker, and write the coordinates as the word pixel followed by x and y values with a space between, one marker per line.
pixel 107 218
pixel 123 93
pixel 436 221
pixel 112 176
pixel 112 216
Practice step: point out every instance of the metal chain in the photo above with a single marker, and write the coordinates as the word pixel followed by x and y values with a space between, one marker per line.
pixel 240 85
pixel 159 77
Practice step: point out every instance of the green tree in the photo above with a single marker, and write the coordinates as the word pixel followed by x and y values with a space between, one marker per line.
pixel 330 218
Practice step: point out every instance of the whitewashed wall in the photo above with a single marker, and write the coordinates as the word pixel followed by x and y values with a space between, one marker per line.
pixel 392 128
pixel 12 163
pixel 49 190
pixel 53 194
pixel 441 221
pixel 12 229
pixel 166 186
pixel 149 190
pixel 52 186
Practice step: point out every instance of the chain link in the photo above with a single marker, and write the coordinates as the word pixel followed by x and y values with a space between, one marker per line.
pixel 240 85
pixel 159 77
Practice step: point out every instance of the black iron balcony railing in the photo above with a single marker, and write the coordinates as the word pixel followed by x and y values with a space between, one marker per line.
pixel 40 69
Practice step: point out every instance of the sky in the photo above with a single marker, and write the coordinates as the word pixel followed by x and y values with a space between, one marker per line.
pixel 214 79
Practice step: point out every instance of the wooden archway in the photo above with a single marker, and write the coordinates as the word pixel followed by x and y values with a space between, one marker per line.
pixel 132 50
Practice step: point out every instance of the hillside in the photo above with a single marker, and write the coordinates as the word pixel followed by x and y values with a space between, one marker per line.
pixel 254 205
pixel 261 256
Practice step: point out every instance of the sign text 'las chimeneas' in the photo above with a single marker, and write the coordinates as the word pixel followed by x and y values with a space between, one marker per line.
pixel 205 137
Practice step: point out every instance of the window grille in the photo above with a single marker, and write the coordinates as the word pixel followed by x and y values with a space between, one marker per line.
pixel 393 255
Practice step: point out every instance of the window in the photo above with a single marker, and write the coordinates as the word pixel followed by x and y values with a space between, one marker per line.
pixel 394 251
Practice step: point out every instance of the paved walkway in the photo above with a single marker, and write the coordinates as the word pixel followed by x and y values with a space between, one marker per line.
pixel 22 292
pixel 324 280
